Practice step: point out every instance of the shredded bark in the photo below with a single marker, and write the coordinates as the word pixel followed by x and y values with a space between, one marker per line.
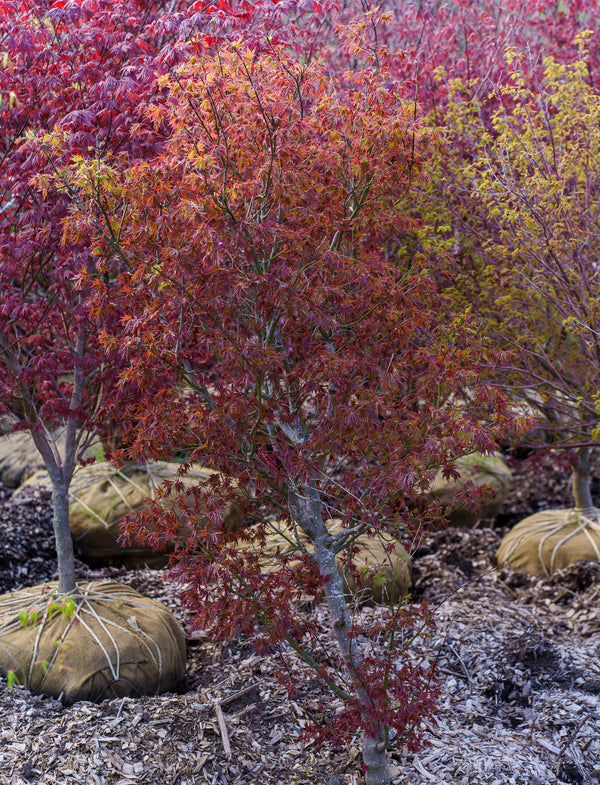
pixel 517 659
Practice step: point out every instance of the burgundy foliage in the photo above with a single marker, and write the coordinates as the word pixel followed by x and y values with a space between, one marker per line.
pixel 300 355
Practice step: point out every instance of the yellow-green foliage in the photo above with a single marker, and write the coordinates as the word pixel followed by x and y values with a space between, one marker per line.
pixel 513 207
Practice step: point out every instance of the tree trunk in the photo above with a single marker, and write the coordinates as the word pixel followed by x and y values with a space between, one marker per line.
pixel 305 508
pixel 582 494
pixel 60 473
pixel 62 534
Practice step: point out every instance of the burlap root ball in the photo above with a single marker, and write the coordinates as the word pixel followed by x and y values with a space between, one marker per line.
pixel 112 642
pixel 101 496
pixel 549 540
pixel 19 457
pixel 381 573
pixel 476 470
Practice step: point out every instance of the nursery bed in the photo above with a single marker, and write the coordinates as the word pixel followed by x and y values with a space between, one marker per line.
pixel 517 660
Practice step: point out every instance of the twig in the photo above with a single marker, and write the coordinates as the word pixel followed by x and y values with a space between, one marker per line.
pixel 223 729
pixel 118 717
pixel 562 750
pixel 238 694
pixel 463 666
pixel 448 672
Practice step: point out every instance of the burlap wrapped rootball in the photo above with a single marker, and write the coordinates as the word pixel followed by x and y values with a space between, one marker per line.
pixel 19 457
pixel 101 496
pixel 549 540
pixel 381 573
pixel 105 641
pixel 476 470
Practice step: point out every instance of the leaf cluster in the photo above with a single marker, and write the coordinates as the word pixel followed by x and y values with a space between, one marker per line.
pixel 521 219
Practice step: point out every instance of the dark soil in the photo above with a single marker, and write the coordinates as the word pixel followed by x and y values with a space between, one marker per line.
pixel 27 553
pixel 542 483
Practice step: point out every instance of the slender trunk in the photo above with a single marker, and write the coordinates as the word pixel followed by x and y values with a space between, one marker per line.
pixel 64 541
pixel 305 507
pixel 60 473
pixel 582 494
pixel 59 468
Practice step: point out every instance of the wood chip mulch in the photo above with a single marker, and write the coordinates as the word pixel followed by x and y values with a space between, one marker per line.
pixel 517 658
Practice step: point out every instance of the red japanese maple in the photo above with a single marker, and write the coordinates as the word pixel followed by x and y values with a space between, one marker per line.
pixel 55 69
pixel 82 67
pixel 441 41
pixel 256 260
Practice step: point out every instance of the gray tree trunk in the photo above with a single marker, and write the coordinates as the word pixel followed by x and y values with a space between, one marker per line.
pixel 582 494
pixel 60 473
pixel 59 467
pixel 306 511
pixel 64 541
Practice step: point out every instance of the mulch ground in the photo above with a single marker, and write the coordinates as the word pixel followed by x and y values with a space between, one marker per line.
pixel 517 663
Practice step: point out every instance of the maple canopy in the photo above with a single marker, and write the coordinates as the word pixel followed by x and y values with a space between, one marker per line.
pixel 255 262
pixel 444 40
pixel 518 215
pixel 83 68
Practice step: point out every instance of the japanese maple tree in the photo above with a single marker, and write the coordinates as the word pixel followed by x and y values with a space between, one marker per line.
pixel 444 40
pixel 51 366
pixel 255 267
pixel 83 67
pixel 454 62
pixel 520 218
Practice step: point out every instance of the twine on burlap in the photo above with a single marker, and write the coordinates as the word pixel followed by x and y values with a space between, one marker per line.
pixel 113 642
pixel 100 496
pixel 578 533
